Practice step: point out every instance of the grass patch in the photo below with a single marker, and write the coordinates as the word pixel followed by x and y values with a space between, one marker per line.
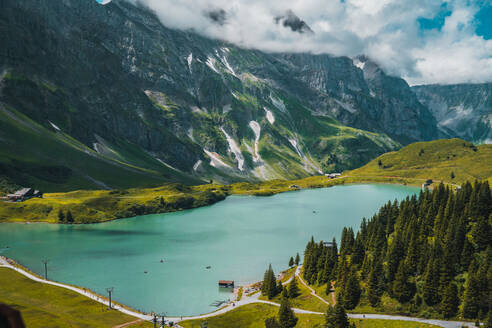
pixel 452 161
pixel 254 315
pixel 305 301
pixel 43 305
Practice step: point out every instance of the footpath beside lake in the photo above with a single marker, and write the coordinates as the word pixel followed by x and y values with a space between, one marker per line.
pixel 237 238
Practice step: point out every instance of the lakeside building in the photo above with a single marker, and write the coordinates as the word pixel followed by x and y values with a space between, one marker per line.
pixel 24 194
pixel 333 175
pixel 226 283
pixel 328 244
pixel 426 184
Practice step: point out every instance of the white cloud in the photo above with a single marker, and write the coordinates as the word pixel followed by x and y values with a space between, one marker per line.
pixel 386 30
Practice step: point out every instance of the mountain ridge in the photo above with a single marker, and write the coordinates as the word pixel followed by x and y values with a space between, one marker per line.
pixel 119 82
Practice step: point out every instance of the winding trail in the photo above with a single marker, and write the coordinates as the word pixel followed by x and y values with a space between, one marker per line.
pixel 313 292
pixel 231 306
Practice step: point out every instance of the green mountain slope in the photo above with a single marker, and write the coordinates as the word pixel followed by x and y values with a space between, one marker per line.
pixel 32 155
pixel 119 84
pixel 453 161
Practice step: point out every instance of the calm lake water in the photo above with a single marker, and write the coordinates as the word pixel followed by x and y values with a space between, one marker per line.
pixel 237 237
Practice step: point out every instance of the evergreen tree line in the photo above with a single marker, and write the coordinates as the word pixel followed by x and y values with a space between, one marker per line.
pixel 271 287
pixel 431 252
pixel 65 218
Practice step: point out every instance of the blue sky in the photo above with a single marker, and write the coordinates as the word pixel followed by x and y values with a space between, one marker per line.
pixel 483 19
pixel 424 41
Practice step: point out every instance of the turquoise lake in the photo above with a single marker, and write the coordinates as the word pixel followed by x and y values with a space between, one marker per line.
pixel 237 237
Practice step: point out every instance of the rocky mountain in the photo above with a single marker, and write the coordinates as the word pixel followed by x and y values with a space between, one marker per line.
pixel 107 96
pixel 462 110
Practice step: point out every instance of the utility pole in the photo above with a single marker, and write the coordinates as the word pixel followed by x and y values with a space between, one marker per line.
pixel 163 322
pixel 45 268
pixel 109 290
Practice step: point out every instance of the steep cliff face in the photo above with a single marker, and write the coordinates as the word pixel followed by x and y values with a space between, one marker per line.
pixel 462 110
pixel 359 94
pixel 170 104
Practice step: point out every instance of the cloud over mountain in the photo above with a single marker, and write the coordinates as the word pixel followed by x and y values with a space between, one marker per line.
pixel 388 31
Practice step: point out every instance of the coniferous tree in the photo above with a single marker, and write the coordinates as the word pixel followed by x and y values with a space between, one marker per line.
pixel 69 217
pixel 450 301
pixel 279 288
pixel 297 260
pixel 269 287
pixel 471 305
pixel 358 252
pixel 61 216
pixel 285 292
pixel 351 292
pixel 272 323
pixel 481 233
pixel 293 288
pixel 286 317
pixel 430 290
pixel 336 317
pixel 403 289
pixel 374 291
pixel 291 261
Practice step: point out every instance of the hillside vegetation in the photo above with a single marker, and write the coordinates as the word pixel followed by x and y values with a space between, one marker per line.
pixel 438 160
pixel 452 161
pixel 428 256
pixel 104 205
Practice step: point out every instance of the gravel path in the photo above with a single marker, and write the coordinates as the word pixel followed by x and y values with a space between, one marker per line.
pixel 245 300
pixel 91 295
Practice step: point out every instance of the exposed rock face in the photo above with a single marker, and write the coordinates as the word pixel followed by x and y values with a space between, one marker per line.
pixel 461 110
pixel 116 80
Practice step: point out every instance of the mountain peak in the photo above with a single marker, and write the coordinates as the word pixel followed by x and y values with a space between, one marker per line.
pixel 291 20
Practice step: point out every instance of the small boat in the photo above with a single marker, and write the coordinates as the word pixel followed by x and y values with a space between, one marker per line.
pixel 145 271
pixel 162 261
pixel 208 267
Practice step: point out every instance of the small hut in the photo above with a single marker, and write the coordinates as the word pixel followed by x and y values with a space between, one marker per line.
pixel 226 283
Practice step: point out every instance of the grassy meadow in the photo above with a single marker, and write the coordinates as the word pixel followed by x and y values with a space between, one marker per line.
pixel 45 306
pixel 254 315
pixel 87 206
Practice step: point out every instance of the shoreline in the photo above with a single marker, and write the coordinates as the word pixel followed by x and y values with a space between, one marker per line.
pixel 282 186
pixel 245 300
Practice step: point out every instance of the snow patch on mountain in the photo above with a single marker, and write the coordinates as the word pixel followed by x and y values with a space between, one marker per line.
pixel 278 103
pixel 215 160
pixel 308 165
pixel 190 60
pixel 234 148
pixel 255 126
pixel 54 126
pixel 358 63
pixel 197 164
pixel 225 62
pixel 269 116
pixel 211 63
